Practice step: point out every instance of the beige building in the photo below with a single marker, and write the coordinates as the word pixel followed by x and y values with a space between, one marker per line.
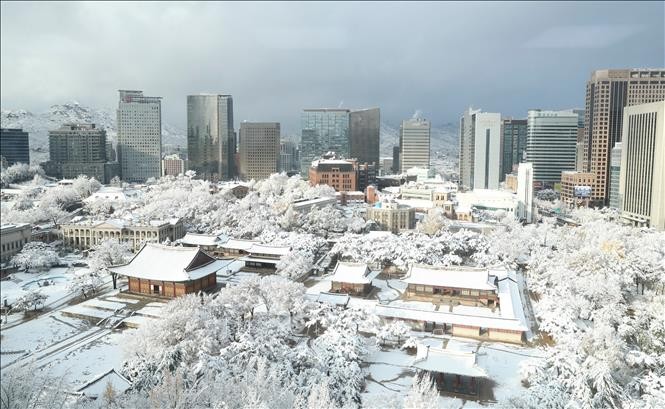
pixel 12 239
pixel 570 180
pixel 259 149
pixel 511 182
pixel 392 216
pixel 86 234
pixel 642 177
pixel 172 165
pixel 607 93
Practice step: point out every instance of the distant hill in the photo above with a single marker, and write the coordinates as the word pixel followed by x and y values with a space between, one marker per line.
pixel 38 125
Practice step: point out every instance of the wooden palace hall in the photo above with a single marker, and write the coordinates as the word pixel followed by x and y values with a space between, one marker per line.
pixel 169 271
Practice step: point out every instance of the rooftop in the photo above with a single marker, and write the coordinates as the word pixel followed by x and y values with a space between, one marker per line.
pixel 448 361
pixel 457 277
pixel 168 263
pixel 356 273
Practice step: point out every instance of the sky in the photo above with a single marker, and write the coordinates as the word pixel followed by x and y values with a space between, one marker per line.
pixel 278 58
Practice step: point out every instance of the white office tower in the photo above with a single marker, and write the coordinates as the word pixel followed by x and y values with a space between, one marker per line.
pixel 480 150
pixel 414 144
pixel 642 180
pixel 139 136
pixel 525 192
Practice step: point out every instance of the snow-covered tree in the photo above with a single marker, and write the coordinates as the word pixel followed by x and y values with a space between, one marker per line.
pixel 109 253
pixel 35 255
pixel 33 300
pixel 423 393
pixel 24 387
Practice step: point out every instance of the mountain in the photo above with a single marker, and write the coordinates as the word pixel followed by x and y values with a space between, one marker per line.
pixel 38 125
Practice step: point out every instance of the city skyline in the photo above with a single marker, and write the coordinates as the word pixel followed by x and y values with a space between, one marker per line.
pixel 413 64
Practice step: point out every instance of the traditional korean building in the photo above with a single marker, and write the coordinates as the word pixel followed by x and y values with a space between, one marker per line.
pixel 453 371
pixel 458 285
pixel 352 278
pixel 169 271
pixel 206 242
pixel 236 247
pixel 96 387
pixel 334 299
pixel 263 257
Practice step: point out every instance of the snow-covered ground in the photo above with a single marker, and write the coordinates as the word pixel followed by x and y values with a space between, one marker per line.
pixel 389 372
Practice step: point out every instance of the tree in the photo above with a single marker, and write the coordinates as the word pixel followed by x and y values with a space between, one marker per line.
pixel 35 255
pixel 32 300
pixel 109 252
pixel 423 393
pixel 86 282
pixel 25 387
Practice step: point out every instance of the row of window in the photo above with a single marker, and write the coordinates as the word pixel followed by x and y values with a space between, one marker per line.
pixel 14 245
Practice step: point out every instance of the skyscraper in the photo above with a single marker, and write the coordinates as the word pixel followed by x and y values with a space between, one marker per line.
pixel 77 149
pixel 364 131
pixel 211 142
pixel 513 145
pixel 480 149
pixel 14 146
pixel 615 175
pixel 139 147
pixel 289 160
pixel 259 149
pixel 550 144
pixel 607 93
pixel 414 144
pixel 323 130
pixel 642 180
pixel 396 167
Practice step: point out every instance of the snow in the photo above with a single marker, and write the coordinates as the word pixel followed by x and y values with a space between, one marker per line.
pixel 150 311
pixel 237 244
pixel 454 277
pixel 194 239
pixel 81 310
pixel 167 263
pixel 356 273
pixel 122 300
pixel 97 386
pixel 103 305
pixel 334 298
pixel 452 362
pixel 137 320
pixel 270 250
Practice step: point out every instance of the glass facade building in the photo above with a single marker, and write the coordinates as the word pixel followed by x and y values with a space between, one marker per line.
pixel 364 132
pixel 514 145
pixel 211 144
pixel 14 146
pixel 323 130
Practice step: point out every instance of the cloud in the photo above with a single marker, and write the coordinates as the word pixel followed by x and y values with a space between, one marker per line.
pixel 585 36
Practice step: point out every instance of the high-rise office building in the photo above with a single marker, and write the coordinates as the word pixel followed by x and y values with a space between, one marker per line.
pixel 364 131
pixel 77 149
pixel 211 139
pixel 607 93
pixel 173 165
pixel 14 146
pixel 259 149
pixel 615 175
pixel 139 148
pixel 480 149
pixel 414 144
pixel 550 144
pixel 513 145
pixel 289 160
pixel 110 151
pixel 642 180
pixel 323 130
pixel 396 167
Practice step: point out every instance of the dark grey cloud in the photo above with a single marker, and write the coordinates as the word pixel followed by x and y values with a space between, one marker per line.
pixel 277 58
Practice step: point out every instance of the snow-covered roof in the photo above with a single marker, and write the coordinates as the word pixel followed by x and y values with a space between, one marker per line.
pixel 355 273
pixel 378 234
pixel 97 385
pixel 334 298
pixel 271 250
pixel 166 263
pixel 457 277
pixel 443 317
pixel 238 244
pixel 259 260
pixel 416 203
pixel 195 239
pixel 448 361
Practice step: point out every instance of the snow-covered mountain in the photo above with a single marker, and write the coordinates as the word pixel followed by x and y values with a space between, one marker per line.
pixel 38 125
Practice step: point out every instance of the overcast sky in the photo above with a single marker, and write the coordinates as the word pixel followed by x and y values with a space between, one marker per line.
pixel 277 58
